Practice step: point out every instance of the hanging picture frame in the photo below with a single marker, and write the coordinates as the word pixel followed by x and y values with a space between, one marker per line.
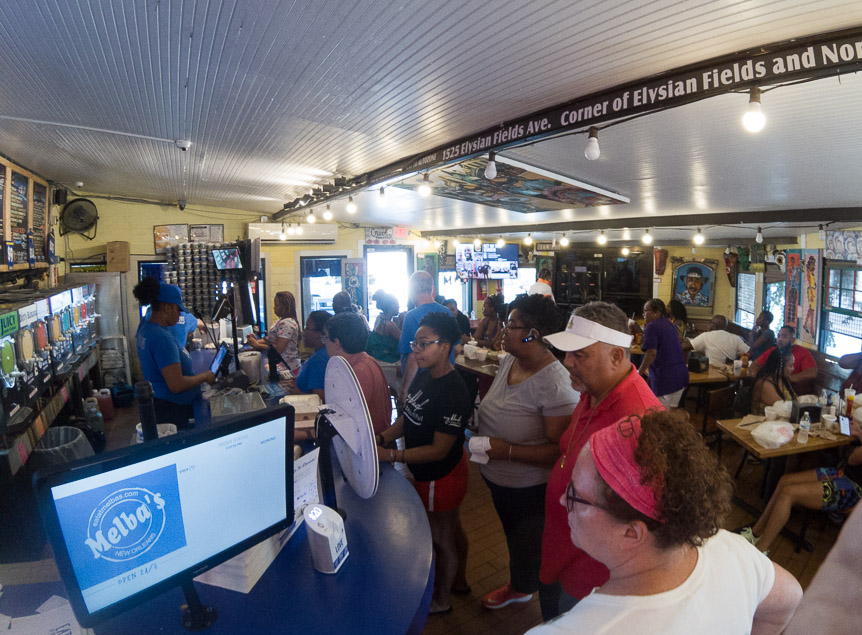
pixel 165 236
pixel 206 233
pixel 694 284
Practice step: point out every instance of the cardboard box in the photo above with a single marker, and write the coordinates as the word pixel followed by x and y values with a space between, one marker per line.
pixel 118 255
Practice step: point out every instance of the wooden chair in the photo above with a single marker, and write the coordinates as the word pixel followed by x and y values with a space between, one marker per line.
pixel 719 405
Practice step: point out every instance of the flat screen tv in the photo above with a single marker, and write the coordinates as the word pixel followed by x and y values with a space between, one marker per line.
pixel 128 525
pixel 488 261
pixel 227 258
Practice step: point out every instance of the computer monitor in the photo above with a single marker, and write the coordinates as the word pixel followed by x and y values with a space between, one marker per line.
pixel 128 525
pixel 227 258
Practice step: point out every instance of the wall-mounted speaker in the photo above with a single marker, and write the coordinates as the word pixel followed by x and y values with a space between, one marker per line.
pixel 60 197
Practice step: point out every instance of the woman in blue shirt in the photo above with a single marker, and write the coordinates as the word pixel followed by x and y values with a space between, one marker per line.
pixel 165 364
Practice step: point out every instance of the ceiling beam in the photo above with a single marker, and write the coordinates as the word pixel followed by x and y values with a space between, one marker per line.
pixel 809 218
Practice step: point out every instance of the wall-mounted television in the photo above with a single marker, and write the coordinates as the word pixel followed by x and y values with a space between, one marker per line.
pixel 487 262
pixel 127 525
pixel 227 258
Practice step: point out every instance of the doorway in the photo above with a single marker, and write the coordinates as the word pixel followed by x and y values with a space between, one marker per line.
pixel 389 269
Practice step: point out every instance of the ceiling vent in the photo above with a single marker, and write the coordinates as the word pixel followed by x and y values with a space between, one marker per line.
pixel 270 234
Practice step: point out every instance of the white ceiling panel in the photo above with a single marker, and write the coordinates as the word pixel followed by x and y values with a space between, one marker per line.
pixel 279 95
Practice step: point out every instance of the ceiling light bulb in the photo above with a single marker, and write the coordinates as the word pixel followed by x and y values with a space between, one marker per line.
pixel 528 240
pixel 592 151
pixel 298 229
pixel 283 234
pixel 602 239
pixel 351 206
pixel 698 237
pixel 456 242
pixel 290 230
pixel 627 235
pixel 646 239
pixel 754 119
pixel 327 215
pixel 759 238
pixel 821 233
pixel 564 241
pixel 491 168
pixel 625 251
pixel 437 244
pixel 477 243
pixel 425 189
pixel 501 243
pixel 310 218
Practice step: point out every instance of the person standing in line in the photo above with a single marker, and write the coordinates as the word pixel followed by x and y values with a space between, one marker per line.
pixel 421 293
pixel 663 356
pixel 597 342
pixel 542 285
pixel 463 320
pixel 646 499
pixel 524 413
pixel 436 411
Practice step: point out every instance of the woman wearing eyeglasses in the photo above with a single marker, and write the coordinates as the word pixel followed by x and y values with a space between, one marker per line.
pixel 525 412
pixel 435 414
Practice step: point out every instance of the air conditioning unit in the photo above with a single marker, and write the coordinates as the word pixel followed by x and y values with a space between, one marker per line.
pixel 270 233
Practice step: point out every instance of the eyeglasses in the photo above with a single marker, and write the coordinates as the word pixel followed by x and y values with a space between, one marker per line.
pixel 572 498
pixel 421 346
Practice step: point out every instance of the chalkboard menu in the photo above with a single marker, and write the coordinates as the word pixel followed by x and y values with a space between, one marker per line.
pixel 40 196
pixel 18 218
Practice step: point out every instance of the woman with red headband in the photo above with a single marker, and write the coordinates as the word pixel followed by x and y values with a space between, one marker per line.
pixel 646 498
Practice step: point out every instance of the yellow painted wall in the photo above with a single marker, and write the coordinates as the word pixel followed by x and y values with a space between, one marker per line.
pixel 133 222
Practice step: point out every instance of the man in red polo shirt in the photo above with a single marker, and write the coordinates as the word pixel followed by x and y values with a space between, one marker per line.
pixel 804 366
pixel 597 344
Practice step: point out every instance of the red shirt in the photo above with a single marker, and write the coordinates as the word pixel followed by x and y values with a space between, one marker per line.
pixel 374 387
pixel 561 560
pixel 802 359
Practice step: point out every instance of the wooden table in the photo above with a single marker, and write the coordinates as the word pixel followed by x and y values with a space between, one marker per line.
pixel 489 367
pixel 742 435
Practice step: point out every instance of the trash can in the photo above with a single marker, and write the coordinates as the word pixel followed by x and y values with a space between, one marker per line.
pixel 60 445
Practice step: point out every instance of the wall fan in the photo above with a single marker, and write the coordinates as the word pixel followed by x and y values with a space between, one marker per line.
pixel 79 216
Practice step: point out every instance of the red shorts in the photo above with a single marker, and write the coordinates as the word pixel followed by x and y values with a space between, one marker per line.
pixel 447 493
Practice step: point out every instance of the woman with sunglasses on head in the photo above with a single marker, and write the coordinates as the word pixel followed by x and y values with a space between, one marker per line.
pixel 435 414
pixel 524 414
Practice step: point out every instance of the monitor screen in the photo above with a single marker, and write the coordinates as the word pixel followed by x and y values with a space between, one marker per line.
pixel 128 525
pixel 488 261
pixel 218 359
pixel 227 258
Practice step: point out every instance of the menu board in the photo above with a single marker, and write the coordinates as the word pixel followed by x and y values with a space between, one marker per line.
pixel 40 199
pixel 2 195
pixel 18 218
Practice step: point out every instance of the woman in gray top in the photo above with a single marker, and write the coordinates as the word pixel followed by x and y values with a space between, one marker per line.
pixel 525 412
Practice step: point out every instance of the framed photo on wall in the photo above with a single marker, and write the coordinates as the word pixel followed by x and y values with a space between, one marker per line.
pixel 165 236
pixel 694 284
pixel 206 233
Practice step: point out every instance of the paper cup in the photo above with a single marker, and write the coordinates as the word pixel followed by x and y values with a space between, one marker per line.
pixel 830 422
pixel 771 413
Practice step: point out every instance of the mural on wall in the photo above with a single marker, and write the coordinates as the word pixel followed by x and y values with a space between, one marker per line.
pixel 843 245
pixel 808 314
pixel 694 282
pixel 794 279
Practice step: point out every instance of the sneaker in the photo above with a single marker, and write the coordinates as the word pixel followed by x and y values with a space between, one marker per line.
pixel 504 596
pixel 746 533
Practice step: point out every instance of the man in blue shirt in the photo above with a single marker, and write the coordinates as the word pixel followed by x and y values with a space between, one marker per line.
pixel 421 293
pixel 313 372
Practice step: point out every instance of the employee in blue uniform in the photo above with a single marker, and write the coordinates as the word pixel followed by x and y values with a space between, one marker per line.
pixel 165 364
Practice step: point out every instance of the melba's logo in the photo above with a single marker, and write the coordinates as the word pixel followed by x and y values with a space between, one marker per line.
pixel 125 524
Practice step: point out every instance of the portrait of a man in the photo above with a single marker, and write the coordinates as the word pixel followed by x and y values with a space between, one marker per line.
pixel 694 284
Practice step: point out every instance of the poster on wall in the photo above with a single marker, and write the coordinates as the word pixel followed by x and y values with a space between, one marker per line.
pixel 354 283
pixel 843 245
pixel 694 283
pixel 809 298
pixel 206 233
pixel 165 236
pixel 429 263
pixel 794 282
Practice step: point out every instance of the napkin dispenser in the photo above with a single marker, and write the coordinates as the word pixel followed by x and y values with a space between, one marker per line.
pixel 813 410
pixel 326 538
pixel 698 364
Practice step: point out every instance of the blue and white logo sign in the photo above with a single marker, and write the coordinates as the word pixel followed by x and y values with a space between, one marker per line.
pixel 119 527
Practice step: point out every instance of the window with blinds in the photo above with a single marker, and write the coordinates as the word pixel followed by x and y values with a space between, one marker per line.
pixel 841 325
pixel 745 299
